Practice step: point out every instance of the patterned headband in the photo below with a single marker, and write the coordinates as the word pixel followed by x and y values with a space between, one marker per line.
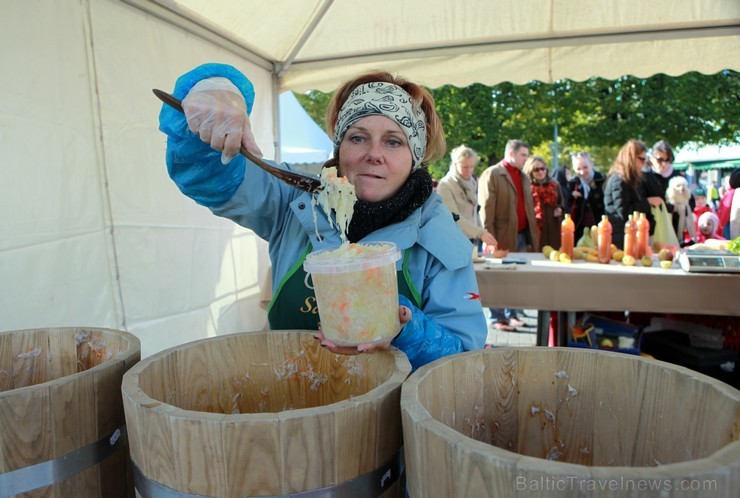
pixel 391 101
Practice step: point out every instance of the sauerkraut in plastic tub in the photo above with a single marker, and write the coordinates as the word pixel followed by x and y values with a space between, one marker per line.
pixel 356 292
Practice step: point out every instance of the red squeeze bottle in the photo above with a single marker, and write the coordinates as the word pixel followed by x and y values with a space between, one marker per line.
pixel 630 235
pixel 643 236
pixel 605 240
pixel 567 234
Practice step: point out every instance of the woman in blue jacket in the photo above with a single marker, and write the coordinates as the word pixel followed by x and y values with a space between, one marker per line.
pixel 385 130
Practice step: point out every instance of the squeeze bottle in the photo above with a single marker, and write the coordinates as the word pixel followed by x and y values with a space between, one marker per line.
pixel 643 236
pixel 630 235
pixel 567 234
pixel 605 240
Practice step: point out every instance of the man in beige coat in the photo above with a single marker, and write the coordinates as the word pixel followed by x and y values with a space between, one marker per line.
pixel 507 212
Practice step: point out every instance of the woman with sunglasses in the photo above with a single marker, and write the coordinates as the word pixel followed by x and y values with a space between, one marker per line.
pixel 657 173
pixel 548 201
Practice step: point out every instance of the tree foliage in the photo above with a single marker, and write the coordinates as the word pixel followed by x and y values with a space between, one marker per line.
pixel 468 118
pixel 597 115
pixel 315 103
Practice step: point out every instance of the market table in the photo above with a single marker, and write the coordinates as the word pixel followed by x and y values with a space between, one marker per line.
pixel 547 286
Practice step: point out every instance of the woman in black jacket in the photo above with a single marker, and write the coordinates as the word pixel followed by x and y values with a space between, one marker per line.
pixel 624 190
pixel 586 191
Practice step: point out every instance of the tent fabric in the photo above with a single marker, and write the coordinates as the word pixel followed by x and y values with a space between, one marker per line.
pixel 708 157
pixel 302 141
pixel 93 232
pixel 697 153
pixel 314 44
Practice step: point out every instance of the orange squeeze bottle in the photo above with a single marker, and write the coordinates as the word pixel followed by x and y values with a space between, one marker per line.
pixel 630 234
pixel 567 234
pixel 643 236
pixel 605 240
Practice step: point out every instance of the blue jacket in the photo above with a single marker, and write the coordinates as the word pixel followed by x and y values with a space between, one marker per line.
pixel 450 320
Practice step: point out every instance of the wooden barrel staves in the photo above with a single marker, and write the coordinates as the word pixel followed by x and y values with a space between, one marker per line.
pixel 562 422
pixel 265 414
pixel 61 416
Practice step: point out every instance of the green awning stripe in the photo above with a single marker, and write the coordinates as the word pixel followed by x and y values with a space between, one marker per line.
pixel 704 165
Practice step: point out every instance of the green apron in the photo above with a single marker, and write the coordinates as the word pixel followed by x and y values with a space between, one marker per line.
pixel 293 305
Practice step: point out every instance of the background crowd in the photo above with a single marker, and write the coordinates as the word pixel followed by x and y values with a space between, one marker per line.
pixel 518 205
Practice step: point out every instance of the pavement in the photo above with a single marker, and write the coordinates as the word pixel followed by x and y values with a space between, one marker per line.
pixel 522 337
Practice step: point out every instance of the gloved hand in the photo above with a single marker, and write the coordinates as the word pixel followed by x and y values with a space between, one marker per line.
pixel 404 316
pixel 217 113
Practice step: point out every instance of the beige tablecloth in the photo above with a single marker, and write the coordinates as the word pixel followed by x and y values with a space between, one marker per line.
pixel 580 286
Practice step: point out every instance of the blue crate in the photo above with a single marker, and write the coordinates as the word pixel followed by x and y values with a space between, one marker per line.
pixel 635 351
pixel 612 329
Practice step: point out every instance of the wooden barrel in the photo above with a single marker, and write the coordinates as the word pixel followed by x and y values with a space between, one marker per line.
pixel 62 431
pixel 264 414
pixel 561 422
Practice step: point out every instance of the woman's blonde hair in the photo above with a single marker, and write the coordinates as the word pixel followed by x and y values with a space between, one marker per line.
pixel 460 153
pixel 436 144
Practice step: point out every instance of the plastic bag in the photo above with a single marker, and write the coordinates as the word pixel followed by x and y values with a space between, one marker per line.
pixel 664 234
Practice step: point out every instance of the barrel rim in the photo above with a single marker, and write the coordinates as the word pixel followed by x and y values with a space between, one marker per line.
pixel 423 421
pixel 134 351
pixel 415 378
pixel 131 390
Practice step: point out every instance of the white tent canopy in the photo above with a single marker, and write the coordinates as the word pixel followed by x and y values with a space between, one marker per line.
pixel 705 153
pixel 93 232
pixel 314 44
pixel 302 141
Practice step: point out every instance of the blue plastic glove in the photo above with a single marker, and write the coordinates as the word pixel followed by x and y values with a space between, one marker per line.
pixel 424 340
pixel 194 166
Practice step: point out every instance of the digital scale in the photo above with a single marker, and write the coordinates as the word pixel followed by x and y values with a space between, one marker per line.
pixel 709 261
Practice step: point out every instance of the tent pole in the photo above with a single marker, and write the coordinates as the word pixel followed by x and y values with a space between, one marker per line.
pixel 304 37
pixel 101 159
pixel 555 147
pixel 277 139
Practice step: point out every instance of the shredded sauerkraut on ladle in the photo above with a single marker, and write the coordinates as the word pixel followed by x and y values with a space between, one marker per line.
pixel 337 195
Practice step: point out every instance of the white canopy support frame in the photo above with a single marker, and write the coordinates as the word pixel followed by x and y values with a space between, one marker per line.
pixel 303 38
pixel 557 45
pixel 464 42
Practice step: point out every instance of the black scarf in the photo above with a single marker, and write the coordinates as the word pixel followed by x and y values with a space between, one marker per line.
pixel 370 216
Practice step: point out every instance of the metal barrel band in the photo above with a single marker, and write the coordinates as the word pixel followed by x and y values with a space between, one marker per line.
pixel 58 469
pixel 368 485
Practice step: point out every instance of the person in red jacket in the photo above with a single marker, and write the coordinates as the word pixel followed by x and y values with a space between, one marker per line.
pixel 724 210
pixel 700 197
pixel 507 213
pixel 708 227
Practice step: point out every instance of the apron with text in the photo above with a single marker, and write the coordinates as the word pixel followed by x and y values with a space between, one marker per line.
pixel 293 305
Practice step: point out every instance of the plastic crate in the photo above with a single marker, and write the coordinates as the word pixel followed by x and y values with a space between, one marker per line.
pixel 614 330
pixel 635 351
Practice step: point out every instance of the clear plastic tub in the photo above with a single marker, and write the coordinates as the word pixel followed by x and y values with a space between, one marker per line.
pixel 356 292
